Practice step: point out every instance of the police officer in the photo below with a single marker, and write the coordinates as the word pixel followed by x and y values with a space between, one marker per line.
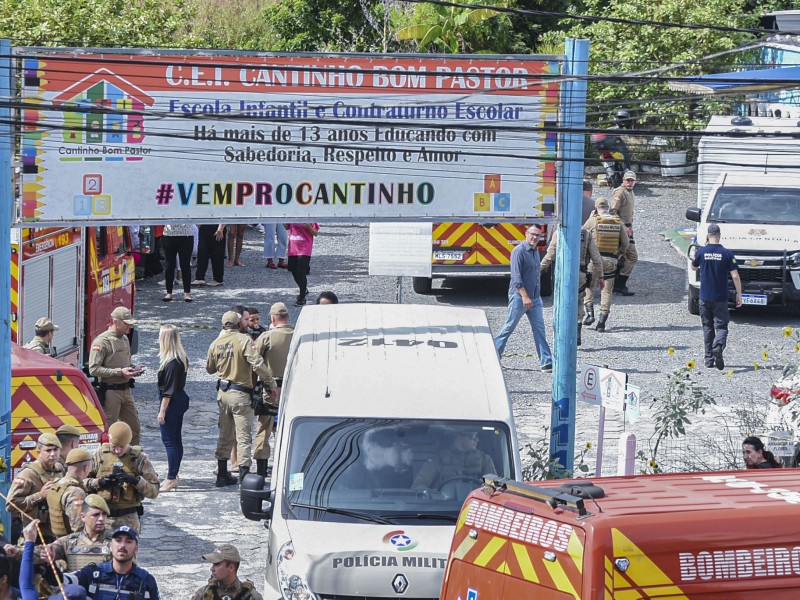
pixel 65 498
pixel 42 342
pixel 70 438
pixel 110 362
pixel 28 492
pixel 233 358
pixel 588 254
pixel 611 239
pixel 622 203
pixel 120 578
pixel 462 460
pixel 273 346
pixel 90 544
pixel 224 581
pixel 123 475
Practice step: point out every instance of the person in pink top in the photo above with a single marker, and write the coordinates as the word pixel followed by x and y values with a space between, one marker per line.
pixel 301 243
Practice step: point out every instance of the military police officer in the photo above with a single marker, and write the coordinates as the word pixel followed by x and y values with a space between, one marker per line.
pixel 461 460
pixel 90 543
pixel 110 362
pixel 123 475
pixel 622 203
pixel 70 438
pixel 233 358
pixel 611 238
pixel 42 342
pixel 224 581
pixel 28 492
pixel 65 498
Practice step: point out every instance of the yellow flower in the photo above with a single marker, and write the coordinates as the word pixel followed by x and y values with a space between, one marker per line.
pixel 755 366
pixel 690 364
pixel 764 355
pixel 730 373
pixel 653 463
pixel 588 445
pixel 797 347
pixel 787 331
pixel 670 350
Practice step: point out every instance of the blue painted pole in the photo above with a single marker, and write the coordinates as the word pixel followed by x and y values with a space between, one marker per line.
pixel 6 212
pixel 565 299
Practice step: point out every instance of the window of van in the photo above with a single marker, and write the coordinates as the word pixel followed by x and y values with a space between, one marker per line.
pixel 388 470
pixel 765 205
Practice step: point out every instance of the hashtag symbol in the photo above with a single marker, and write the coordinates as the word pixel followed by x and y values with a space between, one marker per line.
pixel 165 193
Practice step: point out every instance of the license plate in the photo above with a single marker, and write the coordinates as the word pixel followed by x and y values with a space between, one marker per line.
pixel 448 255
pixel 756 299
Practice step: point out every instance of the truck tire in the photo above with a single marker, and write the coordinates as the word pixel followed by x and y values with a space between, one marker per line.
pixel 546 283
pixel 422 285
pixel 694 301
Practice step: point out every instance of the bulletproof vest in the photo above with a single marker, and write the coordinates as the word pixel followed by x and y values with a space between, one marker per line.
pixel 78 556
pixel 213 593
pixel 128 494
pixel 606 233
pixel 41 511
pixel 456 464
pixel 59 522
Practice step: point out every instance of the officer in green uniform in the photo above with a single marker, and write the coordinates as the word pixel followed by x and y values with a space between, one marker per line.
pixel 65 498
pixel 90 543
pixel 70 438
pixel 28 492
pixel 110 362
pixel 233 358
pixel 42 342
pixel 462 460
pixel 122 475
pixel 224 581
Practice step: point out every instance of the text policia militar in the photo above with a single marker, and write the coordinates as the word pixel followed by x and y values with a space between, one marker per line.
pixel 263 193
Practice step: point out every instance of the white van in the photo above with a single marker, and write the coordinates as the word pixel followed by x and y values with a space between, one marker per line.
pixel 389 416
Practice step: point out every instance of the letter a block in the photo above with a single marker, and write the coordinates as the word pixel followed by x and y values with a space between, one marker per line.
pixel 491 184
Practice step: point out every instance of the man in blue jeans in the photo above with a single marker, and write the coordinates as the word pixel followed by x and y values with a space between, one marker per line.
pixel 715 262
pixel 524 297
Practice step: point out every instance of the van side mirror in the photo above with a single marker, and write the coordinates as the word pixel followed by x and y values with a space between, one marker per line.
pixel 693 214
pixel 252 497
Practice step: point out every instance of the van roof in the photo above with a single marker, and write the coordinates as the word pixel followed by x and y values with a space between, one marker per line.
pixel 720 124
pixel 396 361
pixel 772 180
pixel 35 363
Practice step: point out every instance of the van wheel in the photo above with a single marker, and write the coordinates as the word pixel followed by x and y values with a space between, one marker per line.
pixel 423 285
pixel 694 301
pixel 546 283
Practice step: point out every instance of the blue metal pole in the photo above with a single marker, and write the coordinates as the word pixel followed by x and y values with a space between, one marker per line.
pixel 6 210
pixel 565 299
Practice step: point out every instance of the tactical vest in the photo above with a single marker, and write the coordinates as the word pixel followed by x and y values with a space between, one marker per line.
pixel 59 521
pixel 606 234
pixel 41 511
pixel 80 556
pixel 212 592
pixel 129 496
pixel 460 464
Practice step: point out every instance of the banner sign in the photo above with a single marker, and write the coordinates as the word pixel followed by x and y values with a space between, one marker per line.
pixel 117 137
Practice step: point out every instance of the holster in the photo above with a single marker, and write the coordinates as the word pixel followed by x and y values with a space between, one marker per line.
pixel 100 389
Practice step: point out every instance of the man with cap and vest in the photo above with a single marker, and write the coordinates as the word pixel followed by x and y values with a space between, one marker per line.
pixel 233 358
pixel 90 543
pixel 42 342
pixel 622 203
pixel 715 262
pixel 28 492
pixel 123 475
pixel 589 258
pixel 611 239
pixel 65 498
pixel 110 362
pixel 273 346
pixel 70 438
pixel 120 578
pixel 224 581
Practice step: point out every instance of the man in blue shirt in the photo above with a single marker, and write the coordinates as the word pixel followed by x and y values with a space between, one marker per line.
pixel 524 297
pixel 715 262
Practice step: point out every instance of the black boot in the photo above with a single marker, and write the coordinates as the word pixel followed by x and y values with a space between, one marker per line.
pixel 589 318
pixel 579 335
pixel 621 286
pixel 242 472
pixel 601 321
pixel 261 467
pixel 223 477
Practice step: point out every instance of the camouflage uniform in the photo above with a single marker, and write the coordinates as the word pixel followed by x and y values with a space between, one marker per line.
pixel 79 549
pixel 65 500
pixel 124 500
pixel 612 241
pixel 240 590
pixel 38 344
pixel 590 262
pixel 26 495
pixel 453 463
pixel 622 202
pixel 110 353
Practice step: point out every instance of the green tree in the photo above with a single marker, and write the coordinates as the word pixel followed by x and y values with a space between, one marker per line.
pixel 229 24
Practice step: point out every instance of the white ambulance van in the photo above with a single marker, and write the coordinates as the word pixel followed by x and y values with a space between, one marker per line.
pixel 390 415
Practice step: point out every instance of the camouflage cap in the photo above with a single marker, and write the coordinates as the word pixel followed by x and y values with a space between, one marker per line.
pixel 68 430
pixel 77 455
pixel 96 501
pixel 123 314
pixel 45 324
pixel 48 439
pixel 223 552
pixel 629 175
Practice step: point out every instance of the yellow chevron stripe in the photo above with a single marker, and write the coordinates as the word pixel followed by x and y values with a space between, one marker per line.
pixel 15 295
pixel 504 569
pixel 492 547
pixel 525 564
pixel 643 572
pixel 575 550
pixel 560 578
pixel 465 546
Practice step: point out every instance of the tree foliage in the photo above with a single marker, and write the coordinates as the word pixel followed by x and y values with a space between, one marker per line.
pixel 230 25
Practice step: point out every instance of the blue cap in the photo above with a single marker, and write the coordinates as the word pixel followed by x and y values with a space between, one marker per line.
pixel 124 529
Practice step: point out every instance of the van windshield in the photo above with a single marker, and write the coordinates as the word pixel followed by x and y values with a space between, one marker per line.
pixel 390 470
pixel 763 205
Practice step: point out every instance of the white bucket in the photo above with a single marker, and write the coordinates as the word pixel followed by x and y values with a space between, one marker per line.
pixel 673 164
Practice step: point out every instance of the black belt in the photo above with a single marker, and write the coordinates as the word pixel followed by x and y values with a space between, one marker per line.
pixel 117 386
pixel 609 254
pixel 120 512
pixel 233 386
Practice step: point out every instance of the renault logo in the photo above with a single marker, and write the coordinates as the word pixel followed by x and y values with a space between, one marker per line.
pixel 400 584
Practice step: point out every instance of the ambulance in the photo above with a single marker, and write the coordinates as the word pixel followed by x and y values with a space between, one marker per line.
pixel 707 536
pixel 388 416
pixel 74 275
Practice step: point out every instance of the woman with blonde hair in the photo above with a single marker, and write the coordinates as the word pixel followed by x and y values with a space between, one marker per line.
pixel 174 400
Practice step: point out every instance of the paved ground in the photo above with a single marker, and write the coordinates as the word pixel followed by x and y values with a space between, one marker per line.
pixel 180 526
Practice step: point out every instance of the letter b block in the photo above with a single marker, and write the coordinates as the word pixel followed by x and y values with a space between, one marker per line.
pixel 483 202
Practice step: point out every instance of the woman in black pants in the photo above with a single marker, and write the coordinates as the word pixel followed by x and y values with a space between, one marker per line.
pixel 210 245
pixel 174 400
pixel 178 242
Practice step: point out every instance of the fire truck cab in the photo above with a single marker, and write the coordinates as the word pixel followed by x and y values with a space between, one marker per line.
pixel 707 535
